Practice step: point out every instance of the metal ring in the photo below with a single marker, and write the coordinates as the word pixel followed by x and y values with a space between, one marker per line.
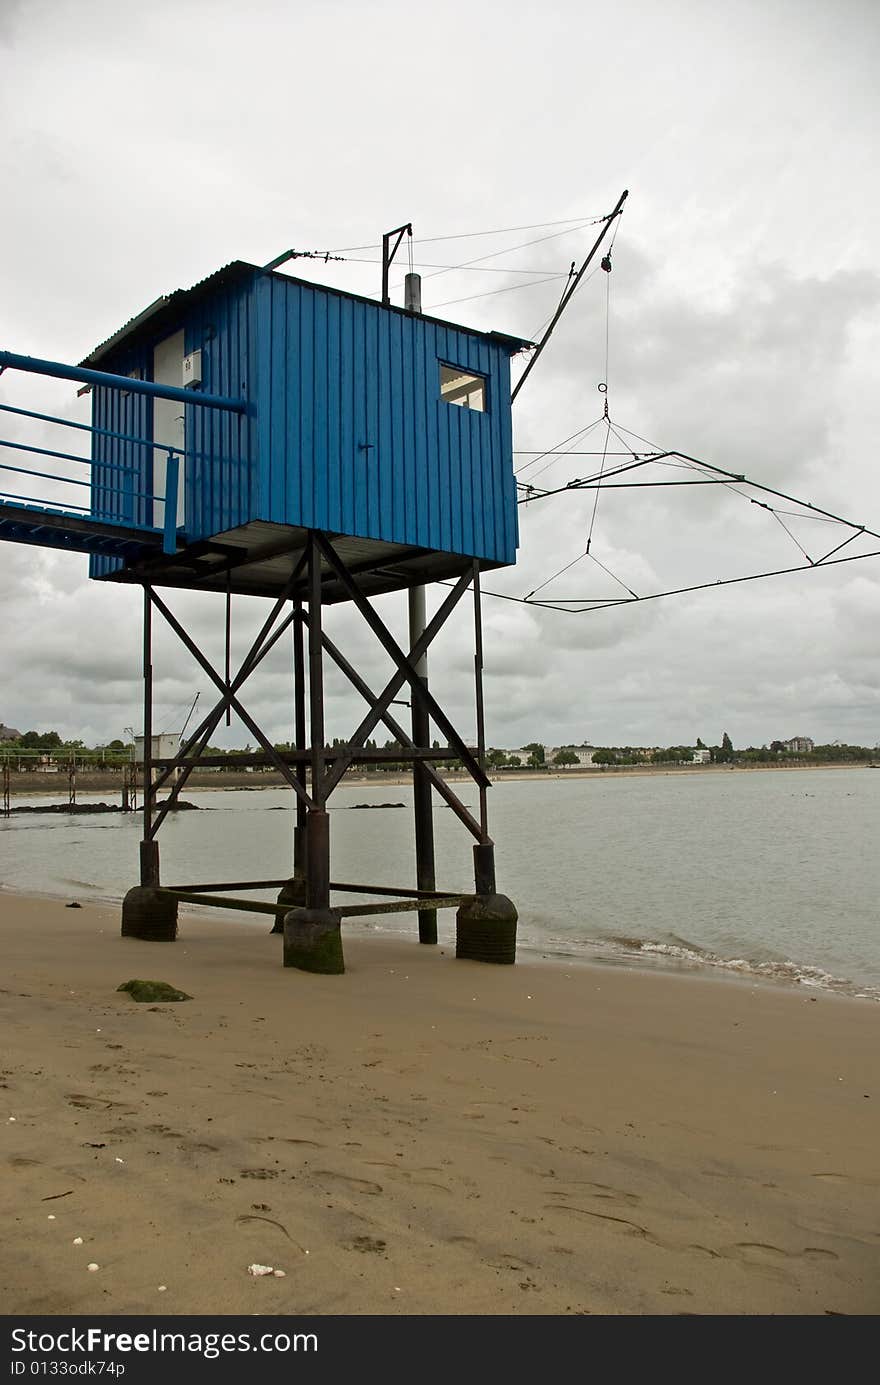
pixel 602 387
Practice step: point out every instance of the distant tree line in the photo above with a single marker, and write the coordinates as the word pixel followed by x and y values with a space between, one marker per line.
pixel 777 752
pixel 34 743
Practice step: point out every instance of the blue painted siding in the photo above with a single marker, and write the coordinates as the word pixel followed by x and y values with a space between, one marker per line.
pixel 345 430
pixel 355 438
pixel 222 477
pixel 219 475
pixel 122 474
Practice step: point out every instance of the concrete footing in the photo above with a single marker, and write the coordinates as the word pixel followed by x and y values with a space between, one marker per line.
pixel 293 894
pixel 149 914
pixel 485 929
pixel 313 941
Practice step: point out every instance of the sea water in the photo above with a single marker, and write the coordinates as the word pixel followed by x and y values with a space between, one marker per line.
pixel 764 873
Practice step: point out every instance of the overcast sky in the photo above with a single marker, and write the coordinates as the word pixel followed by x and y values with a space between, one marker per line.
pixel 145 146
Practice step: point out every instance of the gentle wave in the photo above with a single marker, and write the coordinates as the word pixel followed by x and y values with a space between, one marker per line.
pixel 628 950
pixel 783 970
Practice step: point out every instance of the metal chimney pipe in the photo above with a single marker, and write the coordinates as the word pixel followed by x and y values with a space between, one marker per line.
pixel 412 293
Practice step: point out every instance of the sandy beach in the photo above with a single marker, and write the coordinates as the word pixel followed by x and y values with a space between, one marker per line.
pixel 422 1135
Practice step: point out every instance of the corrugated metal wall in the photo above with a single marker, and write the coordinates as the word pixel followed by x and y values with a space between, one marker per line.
pixel 219 473
pixel 222 479
pixel 117 494
pixel 355 438
pixel 346 429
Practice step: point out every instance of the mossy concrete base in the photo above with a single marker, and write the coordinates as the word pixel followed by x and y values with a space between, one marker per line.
pixel 149 914
pixel 153 991
pixel 313 941
pixel 293 894
pixel 485 929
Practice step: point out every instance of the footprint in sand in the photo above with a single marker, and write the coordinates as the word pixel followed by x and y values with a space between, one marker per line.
pixel 507 1261
pixel 247 1217
pixel 604 1191
pixel 845 1178
pixel 367 1245
pixel 760 1250
pixel 413 1176
pixel 346 1183
pixel 630 1227
pixel 287 1140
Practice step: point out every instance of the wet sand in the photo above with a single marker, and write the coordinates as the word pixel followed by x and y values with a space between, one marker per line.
pixel 422 1135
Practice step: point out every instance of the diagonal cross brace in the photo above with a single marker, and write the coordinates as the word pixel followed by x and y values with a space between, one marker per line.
pixel 228 695
pixel 381 704
pixel 255 655
pixel 406 670
pixel 207 726
pixel 205 731
pixel 394 726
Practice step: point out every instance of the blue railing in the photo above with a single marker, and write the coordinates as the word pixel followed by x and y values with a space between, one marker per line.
pixel 121 483
pixel 119 480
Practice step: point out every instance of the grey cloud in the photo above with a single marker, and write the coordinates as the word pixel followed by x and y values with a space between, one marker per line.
pixel 750 385
pixel 743 325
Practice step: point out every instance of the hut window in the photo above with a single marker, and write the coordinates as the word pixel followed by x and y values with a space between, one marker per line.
pixel 461 387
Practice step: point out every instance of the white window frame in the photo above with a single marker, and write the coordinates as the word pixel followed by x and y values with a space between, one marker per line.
pixel 466 389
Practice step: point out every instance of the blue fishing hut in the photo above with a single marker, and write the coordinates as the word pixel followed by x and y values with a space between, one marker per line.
pixel 388 429
pixel 261 435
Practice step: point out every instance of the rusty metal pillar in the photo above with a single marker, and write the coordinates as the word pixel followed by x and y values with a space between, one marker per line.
pixel 293 892
pixel 317 823
pixel 299 698
pixel 426 878
pixel 312 935
pixel 148 913
pixel 149 846
pixel 485 926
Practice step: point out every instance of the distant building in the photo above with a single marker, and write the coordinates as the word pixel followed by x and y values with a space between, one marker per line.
pixel 524 755
pixel 702 757
pixel 164 746
pixel 9 733
pixel 584 753
pixel 800 745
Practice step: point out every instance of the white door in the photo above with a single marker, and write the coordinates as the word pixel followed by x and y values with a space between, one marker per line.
pixel 168 422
